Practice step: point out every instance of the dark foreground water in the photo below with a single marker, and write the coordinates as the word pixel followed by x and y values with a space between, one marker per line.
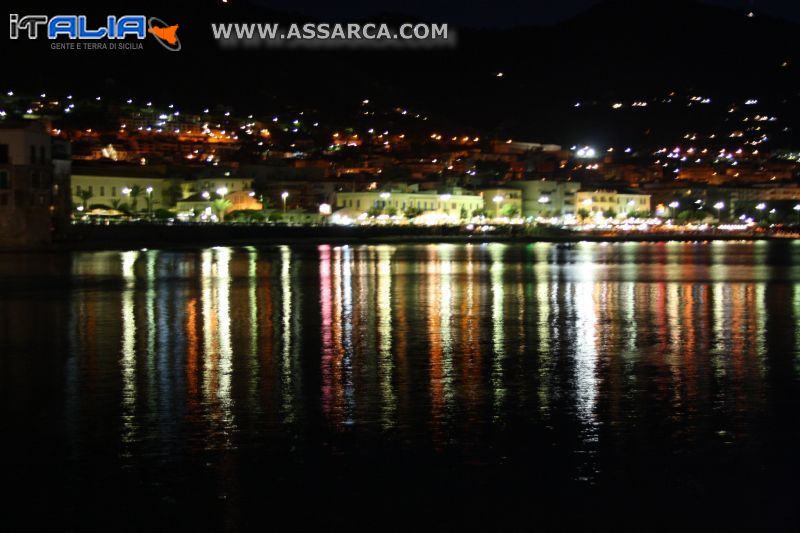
pixel 545 387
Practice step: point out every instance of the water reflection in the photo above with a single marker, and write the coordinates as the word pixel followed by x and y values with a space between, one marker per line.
pixel 432 343
pixel 128 350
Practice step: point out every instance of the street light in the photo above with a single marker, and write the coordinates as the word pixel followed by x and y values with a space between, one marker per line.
pixel 719 206
pixel 149 191
pixel 222 191
pixel 498 200
pixel 761 207
pixel 629 206
pixel 543 200
pixel 126 191
pixel 206 196
pixel 797 210
pixel 673 206
pixel 284 196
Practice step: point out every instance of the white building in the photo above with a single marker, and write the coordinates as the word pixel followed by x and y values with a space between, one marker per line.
pixel 456 204
pixel 621 204
pixel 547 198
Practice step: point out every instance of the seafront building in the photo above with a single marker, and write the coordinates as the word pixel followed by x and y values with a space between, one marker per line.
pixel 109 187
pixel 34 184
pixel 201 204
pixel 502 201
pixel 616 204
pixel 547 198
pixel 454 204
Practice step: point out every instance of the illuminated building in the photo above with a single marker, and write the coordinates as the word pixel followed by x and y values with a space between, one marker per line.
pixel 232 184
pixel 602 201
pixel 546 198
pixel 240 200
pixel 502 201
pixel 110 187
pixel 455 204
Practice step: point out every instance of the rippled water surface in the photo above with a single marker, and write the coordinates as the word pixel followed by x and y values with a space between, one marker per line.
pixel 404 387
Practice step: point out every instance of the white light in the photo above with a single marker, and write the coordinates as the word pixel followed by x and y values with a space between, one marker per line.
pixel 674 205
pixel 284 195
pixel 222 191
pixel 325 209
pixel 761 206
pixel 206 195
pixel 126 190
pixel 544 199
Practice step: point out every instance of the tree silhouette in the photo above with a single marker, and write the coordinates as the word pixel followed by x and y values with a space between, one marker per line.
pixel 85 195
pixel 220 205
pixel 134 192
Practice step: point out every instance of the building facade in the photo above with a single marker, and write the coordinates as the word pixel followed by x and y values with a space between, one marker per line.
pixel 34 183
pixel 455 205
pixel 112 190
pixel 500 201
pixel 621 204
pixel 547 198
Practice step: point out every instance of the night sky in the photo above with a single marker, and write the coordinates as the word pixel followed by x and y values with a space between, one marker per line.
pixel 491 13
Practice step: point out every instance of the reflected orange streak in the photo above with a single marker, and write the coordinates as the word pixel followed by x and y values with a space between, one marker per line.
pixel 192 352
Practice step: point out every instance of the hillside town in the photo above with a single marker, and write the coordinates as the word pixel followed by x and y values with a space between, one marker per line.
pixel 68 161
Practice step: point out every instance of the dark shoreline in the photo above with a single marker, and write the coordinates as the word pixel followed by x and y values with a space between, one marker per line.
pixel 126 237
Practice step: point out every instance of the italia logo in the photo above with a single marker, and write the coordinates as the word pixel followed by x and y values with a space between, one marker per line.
pixel 76 27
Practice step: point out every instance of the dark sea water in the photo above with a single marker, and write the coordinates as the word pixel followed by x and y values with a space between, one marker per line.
pixel 602 387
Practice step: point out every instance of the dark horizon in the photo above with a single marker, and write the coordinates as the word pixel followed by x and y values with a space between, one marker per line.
pixel 500 14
